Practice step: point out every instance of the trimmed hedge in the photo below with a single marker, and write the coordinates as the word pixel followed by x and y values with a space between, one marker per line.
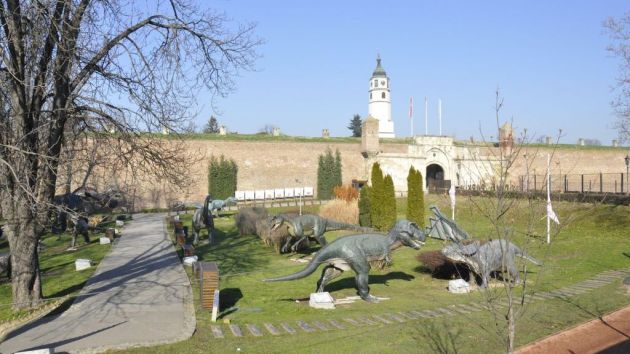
pixel 222 177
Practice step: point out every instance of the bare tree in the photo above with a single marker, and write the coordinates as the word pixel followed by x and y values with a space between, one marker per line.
pixel 92 68
pixel 501 207
pixel 619 32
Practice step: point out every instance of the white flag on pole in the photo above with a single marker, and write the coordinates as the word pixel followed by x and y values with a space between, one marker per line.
pixel 550 213
pixel 451 193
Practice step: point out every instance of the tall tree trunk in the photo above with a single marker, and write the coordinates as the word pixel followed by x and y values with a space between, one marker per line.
pixel 23 233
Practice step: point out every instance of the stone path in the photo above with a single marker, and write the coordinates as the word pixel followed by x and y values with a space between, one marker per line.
pixel 299 326
pixel 138 296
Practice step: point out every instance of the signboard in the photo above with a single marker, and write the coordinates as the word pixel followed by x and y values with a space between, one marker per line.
pixel 259 194
pixel 278 193
pixel 308 191
pixel 239 195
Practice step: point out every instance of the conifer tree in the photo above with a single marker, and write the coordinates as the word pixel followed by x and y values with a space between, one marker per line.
pixel 321 176
pixel 415 197
pixel 364 207
pixel 389 205
pixel 338 181
pixel 376 197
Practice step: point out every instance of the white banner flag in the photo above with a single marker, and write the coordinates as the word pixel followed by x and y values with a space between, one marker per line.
pixel 550 213
pixel 451 193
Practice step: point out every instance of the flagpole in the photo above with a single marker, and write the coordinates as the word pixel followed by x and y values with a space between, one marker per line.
pixel 440 114
pixel 426 116
pixel 548 198
pixel 411 113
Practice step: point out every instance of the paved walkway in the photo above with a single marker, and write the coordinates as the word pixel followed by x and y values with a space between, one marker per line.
pixel 610 334
pixel 293 327
pixel 139 295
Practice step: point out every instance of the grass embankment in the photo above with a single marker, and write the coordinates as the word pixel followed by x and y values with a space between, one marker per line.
pixel 593 238
pixel 59 277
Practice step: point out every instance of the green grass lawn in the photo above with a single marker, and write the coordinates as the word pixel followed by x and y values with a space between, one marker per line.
pixel 59 277
pixel 591 239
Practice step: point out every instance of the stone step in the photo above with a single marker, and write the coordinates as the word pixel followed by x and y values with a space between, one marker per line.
pixel 287 328
pixel 305 326
pixel 217 332
pixel 382 319
pixel 271 329
pixel 336 324
pixel 236 330
pixel 353 321
pixel 254 330
pixel 321 326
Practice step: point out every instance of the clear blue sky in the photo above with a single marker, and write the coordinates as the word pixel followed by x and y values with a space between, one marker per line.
pixel 548 58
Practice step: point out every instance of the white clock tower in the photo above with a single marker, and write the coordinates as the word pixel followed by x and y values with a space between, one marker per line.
pixel 380 103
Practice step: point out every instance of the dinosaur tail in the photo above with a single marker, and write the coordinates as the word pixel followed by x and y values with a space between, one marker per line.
pixel 336 225
pixel 524 255
pixel 308 270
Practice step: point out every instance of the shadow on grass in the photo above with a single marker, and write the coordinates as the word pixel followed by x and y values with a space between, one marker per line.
pixel 441 338
pixel 234 253
pixel 229 297
pixel 373 279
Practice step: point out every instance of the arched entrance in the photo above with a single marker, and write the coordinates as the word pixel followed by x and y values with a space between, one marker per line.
pixel 435 179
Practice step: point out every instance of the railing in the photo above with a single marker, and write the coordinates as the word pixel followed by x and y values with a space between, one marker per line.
pixel 581 183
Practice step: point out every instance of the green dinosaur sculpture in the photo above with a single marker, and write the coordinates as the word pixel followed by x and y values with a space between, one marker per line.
pixel 359 253
pixel 302 226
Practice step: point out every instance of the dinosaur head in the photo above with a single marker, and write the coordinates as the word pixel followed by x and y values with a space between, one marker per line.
pixel 231 201
pixel 408 233
pixel 276 221
pixel 459 252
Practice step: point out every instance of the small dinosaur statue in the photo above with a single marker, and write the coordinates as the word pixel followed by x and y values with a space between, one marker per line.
pixel 203 219
pixel 359 253
pixel 219 204
pixel 80 228
pixel 302 226
pixel 483 259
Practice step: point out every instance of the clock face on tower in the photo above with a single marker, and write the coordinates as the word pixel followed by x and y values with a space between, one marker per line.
pixel 383 82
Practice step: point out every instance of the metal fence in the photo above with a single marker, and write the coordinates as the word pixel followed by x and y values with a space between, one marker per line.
pixel 582 183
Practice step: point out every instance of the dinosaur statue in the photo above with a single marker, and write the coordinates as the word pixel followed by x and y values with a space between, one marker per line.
pixel 219 204
pixel 359 253
pixel 483 259
pixel 203 219
pixel 444 228
pixel 302 226
pixel 80 227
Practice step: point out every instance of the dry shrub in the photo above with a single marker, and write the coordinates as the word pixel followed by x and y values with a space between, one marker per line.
pixel 342 211
pixel 94 221
pixel 246 219
pixel 347 193
pixel 442 267
pixel 278 237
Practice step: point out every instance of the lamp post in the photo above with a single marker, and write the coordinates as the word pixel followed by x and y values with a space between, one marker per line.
pixel 300 196
pixel 627 159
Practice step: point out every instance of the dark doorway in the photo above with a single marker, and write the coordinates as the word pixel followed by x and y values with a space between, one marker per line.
pixel 435 179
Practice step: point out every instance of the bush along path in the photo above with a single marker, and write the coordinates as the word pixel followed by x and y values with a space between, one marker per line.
pixel 138 296
pixel 220 331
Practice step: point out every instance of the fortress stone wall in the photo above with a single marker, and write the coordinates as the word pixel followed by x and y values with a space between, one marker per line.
pixel 284 164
